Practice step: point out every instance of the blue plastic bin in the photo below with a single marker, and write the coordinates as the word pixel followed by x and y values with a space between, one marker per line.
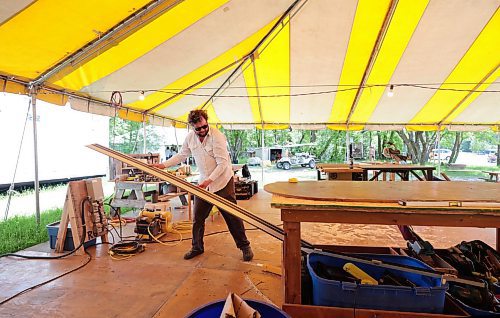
pixel 214 310
pixel 477 313
pixel 53 229
pixel 428 297
pixel 474 312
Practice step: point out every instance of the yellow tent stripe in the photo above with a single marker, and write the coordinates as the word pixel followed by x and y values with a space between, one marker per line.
pixel 228 57
pixel 367 23
pixel 142 41
pixel 271 66
pixel 12 87
pixel 248 73
pixel 128 115
pixel 213 119
pixel 403 23
pixel 44 27
pixel 481 58
pixel 469 99
pixel 212 115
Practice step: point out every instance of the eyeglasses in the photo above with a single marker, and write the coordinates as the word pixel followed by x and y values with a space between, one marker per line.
pixel 201 127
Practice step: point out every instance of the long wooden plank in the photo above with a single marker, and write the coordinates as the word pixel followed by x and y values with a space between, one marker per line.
pixel 221 203
pixel 387 192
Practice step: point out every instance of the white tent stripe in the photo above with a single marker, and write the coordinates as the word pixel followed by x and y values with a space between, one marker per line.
pixel 445 32
pixel 328 35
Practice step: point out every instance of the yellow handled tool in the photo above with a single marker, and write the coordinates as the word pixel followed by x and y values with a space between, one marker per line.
pixel 359 274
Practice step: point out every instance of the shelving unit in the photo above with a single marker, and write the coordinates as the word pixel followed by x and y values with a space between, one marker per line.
pixel 118 167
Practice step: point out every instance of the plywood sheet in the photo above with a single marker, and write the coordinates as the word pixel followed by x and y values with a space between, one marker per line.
pixel 388 192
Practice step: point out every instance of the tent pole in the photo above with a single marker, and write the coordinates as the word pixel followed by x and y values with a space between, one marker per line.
pixel 144 134
pixel 347 145
pixel 439 147
pixel 35 149
pixel 262 150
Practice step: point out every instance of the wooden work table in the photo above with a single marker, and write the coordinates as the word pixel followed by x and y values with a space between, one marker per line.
pixel 137 197
pixel 375 203
pixel 403 171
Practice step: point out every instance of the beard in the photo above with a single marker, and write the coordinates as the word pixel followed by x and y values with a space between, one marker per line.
pixel 202 133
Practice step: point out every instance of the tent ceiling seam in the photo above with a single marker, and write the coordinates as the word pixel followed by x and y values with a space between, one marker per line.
pixel 254 50
pixel 258 94
pixel 192 86
pixel 469 94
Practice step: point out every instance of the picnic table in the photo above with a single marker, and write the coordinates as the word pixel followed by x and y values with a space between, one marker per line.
pixel 493 175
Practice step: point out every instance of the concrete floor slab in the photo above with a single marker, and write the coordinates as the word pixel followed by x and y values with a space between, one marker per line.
pixel 160 283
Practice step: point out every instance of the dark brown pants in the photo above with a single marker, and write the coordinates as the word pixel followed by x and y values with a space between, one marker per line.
pixel 202 210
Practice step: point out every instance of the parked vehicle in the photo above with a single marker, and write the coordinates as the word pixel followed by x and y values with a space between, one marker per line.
pixel 303 159
pixel 492 157
pixel 486 152
pixel 254 161
pixel 440 154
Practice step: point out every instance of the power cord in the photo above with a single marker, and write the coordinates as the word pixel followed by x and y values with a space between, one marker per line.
pixel 48 281
pixel 125 250
pixel 87 199
pixel 84 228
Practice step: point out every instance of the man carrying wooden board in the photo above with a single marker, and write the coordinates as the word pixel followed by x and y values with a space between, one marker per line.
pixel 209 149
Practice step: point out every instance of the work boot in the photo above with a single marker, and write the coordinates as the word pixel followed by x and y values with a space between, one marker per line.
pixel 247 253
pixel 192 253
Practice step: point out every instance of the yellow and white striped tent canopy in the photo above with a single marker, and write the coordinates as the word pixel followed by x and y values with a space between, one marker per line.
pixel 310 64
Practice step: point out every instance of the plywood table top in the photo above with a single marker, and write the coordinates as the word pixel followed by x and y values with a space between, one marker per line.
pixel 342 169
pixel 396 166
pixel 387 192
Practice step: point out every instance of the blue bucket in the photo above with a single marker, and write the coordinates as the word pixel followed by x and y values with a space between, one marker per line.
pixel 214 309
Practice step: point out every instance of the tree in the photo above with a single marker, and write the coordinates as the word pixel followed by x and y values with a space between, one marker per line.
pixel 419 144
pixel 456 147
pixel 237 141
pixel 126 136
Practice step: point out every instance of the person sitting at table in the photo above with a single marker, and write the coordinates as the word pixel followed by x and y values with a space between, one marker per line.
pixel 391 152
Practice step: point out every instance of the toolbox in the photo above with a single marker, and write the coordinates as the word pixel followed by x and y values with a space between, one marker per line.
pixel 428 296
pixel 245 189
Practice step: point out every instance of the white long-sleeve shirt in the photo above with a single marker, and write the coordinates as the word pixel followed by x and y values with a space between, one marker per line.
pixel 211 156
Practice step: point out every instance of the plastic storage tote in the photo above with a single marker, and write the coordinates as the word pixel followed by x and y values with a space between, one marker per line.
pixel 428 297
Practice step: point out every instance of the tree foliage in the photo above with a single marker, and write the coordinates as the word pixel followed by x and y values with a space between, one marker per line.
pixel 127 136
pixel 329 145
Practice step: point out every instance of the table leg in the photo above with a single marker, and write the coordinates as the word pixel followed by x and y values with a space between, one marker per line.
pixel 416 175
pixel 375 175
pixel 430 175
pixel 189 206
pixel 291 263
pixel 498 240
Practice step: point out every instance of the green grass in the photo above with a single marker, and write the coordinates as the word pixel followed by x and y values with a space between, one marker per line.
pixel 21 232
pixel 469 172
pixel 31 191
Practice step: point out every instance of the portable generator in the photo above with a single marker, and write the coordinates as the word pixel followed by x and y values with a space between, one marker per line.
pixel 152 220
